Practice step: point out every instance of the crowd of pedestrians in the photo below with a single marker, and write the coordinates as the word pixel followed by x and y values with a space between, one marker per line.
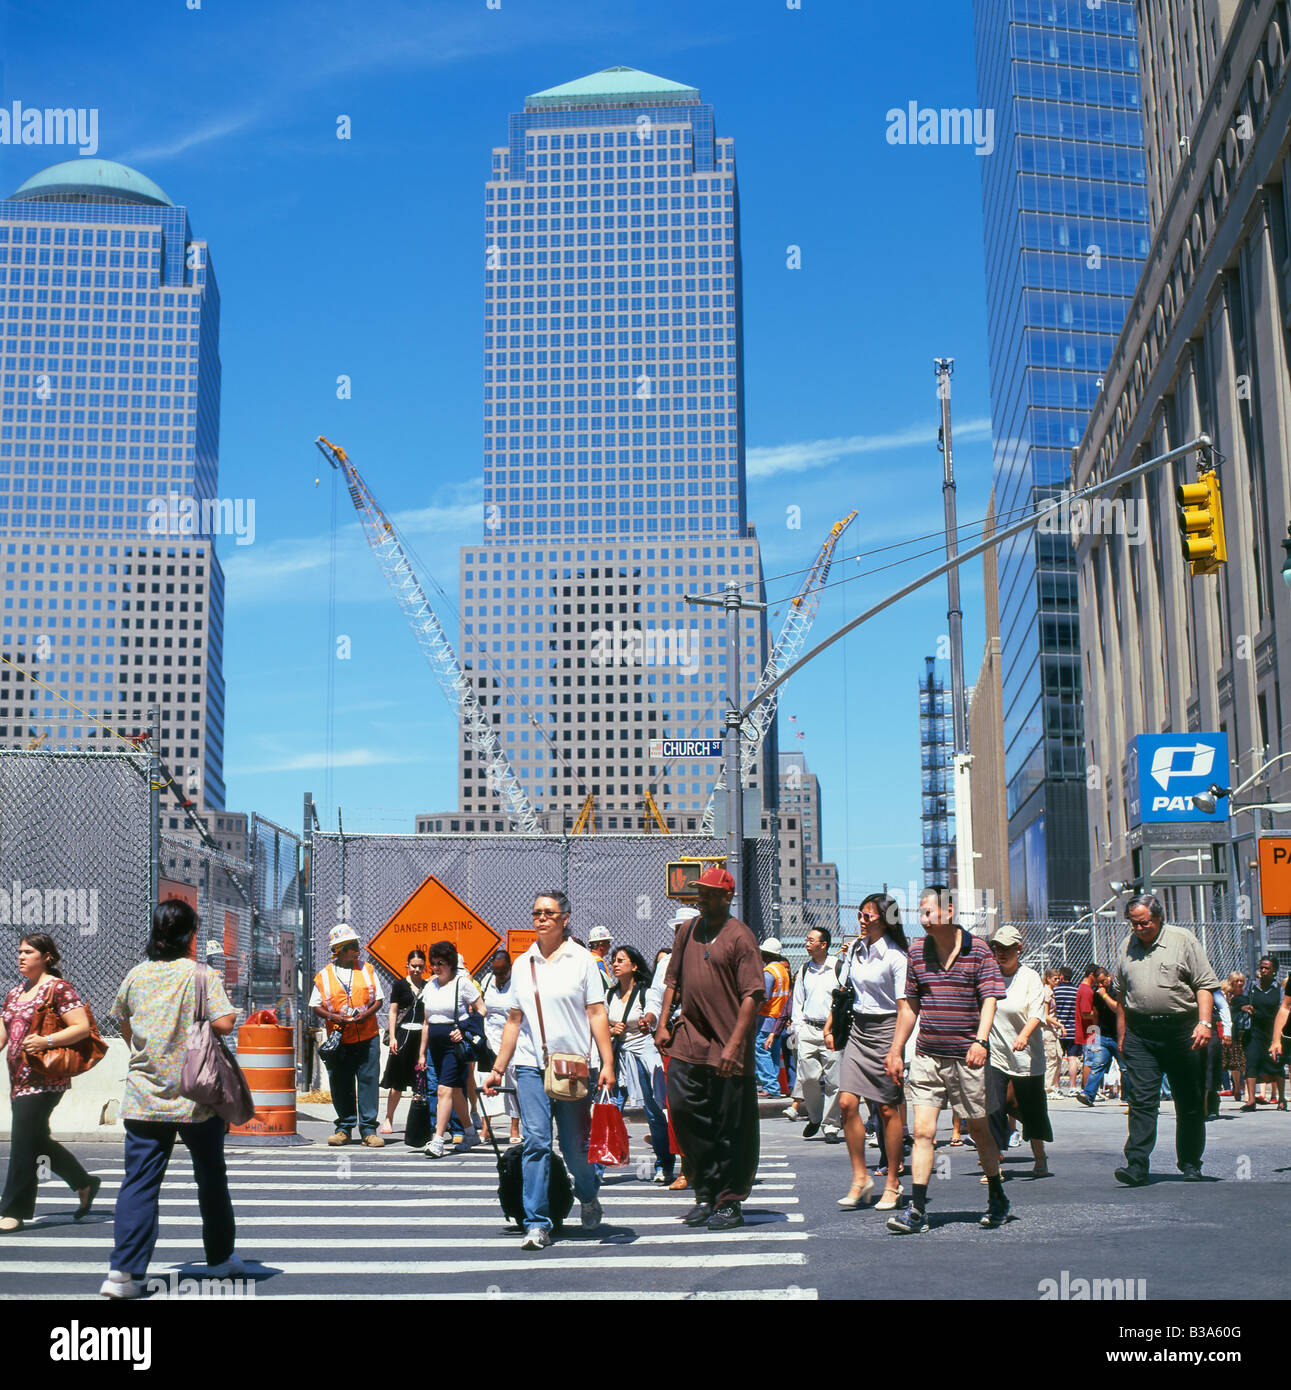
pixel 877 1039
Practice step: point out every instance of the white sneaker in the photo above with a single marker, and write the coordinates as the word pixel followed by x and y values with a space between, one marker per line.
pixel 1015 1140
pixel 436 1147
pixel 535 1238
pixel 589 1213
pixel 833 1135
pixel 118 1284
pixel 791 1113
pixel 226 1269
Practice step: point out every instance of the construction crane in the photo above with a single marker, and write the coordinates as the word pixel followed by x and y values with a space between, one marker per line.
pixel 800 615
pixel 433 641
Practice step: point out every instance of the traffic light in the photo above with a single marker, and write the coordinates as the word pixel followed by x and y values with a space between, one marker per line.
pixel 1201 523
pixel 683 875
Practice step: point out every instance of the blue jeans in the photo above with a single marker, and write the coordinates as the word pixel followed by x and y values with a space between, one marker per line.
pixel 147 1152
pixel 768 1063
pixel 655 1117
pixel 573 1124
pixel 1098 1060
pixel 353 1073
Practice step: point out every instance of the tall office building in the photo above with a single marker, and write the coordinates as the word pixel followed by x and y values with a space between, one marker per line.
pixel 613 451
pixel 936 742
pixel 109 445
pixel 1066 225
pixel 808 885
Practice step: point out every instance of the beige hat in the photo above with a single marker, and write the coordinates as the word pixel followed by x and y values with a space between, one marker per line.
pixel 341 935
pixel 771 946
pixel 1008 935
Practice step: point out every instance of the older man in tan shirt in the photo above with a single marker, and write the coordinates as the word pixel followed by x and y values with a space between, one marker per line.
pixel 1165 987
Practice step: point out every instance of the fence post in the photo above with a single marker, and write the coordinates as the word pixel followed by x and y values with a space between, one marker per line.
pixel 154 811
pixel 305 975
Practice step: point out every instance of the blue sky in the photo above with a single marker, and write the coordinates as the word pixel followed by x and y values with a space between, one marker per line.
pixel 363 257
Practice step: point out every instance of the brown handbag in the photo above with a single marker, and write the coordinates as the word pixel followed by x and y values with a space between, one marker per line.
pixel 63 1063
pixel 564 1074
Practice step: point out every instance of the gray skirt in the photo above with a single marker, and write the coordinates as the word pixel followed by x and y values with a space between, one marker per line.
pixel 862 1071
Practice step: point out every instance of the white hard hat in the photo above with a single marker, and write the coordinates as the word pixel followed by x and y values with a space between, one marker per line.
pixel 340 935
pixel 599 934
pixel 684 915
pixel 771 946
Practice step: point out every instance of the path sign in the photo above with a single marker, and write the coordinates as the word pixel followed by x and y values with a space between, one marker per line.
pixel 1275 875
pixel 434 913
pixel 667 749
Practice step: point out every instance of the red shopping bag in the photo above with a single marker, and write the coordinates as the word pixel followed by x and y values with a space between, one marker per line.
pixel 608 1145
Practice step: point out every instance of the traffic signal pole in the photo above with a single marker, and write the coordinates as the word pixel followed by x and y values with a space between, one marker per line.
pixel 1201 445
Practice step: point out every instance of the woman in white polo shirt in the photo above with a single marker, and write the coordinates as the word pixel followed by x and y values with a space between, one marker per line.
pixel 558 1007
pixel 875 967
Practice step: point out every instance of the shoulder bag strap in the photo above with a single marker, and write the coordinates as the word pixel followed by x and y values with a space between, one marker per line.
pixel 537 999
pixel 199 993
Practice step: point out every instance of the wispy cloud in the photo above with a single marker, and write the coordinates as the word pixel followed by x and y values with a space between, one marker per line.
pixel 312 762
pixel 766 461
pixel 257 573
pixel 200 135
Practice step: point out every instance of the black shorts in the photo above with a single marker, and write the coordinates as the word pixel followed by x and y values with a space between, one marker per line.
pixel 1071 1048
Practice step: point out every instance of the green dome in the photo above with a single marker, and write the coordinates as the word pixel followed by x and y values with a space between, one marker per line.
pixel 91 181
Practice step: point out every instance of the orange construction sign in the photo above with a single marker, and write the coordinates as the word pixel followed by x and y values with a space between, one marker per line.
pixel 1275 875
pixel 434 913
pixel 519 939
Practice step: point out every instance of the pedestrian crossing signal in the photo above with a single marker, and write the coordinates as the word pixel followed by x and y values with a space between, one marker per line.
pixel 683 876
pixel 1201 523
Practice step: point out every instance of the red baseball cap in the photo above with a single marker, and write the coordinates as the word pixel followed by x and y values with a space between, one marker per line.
pixel 713 877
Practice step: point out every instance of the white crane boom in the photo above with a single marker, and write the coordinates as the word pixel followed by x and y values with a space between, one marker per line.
pixel 788 646
pixel 433 641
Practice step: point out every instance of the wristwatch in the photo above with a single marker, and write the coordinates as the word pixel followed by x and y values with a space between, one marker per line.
pixel 985 1045
pixel 1207 1024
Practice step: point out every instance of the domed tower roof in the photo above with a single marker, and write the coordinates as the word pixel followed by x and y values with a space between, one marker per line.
pixel 91 181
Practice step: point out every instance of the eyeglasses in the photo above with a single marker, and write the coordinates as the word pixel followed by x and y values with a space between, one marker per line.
pixel 869 918
pixel 546 912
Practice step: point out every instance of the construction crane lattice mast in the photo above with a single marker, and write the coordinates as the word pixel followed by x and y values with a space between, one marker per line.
pixel 433 640
pixel 792 637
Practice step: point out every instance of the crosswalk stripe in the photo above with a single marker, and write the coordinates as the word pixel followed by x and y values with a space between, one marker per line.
pixel 418 1165
pixel 351 1185
pixel 490 1222
pixel 347 1201
pixel 104 1242
pixel 790 1294
pixel 622 1261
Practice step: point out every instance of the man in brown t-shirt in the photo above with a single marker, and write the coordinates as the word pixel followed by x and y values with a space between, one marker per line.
pixel 716 968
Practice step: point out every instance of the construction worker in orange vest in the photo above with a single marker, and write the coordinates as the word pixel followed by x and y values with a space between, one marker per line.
pixel 778 985
pixel 346 998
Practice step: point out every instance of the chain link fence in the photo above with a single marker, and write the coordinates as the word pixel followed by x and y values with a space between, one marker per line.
pixel 617 881
pixel 278 936
pixel 74 863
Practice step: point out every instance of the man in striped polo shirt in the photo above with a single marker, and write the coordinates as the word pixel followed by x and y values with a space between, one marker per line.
pixel 952 983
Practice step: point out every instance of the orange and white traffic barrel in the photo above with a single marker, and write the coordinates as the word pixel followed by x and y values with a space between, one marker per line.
pixel 267 1056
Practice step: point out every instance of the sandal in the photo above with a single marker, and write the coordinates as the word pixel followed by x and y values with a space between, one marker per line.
pixel 678 1184
pixel 92 1188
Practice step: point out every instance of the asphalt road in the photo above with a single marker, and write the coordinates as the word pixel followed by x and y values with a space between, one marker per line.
pixel 315 1222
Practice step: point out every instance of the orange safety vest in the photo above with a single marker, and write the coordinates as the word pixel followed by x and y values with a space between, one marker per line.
pixel 363 985
pixel 779 1000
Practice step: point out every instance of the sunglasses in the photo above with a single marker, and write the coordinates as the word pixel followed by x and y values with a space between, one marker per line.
pixel 546 912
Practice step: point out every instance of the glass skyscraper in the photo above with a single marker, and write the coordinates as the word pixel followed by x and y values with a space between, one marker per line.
pixel 613 448
pixel 109 352
pixel 1066 225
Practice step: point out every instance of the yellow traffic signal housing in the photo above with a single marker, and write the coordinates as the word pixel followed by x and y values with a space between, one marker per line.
pixel 1201 523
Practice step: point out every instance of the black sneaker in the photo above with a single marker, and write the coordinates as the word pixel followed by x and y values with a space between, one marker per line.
pixel 726 1218
pixel 1192 1172
pixel 698 1214
pixel 997 1212
pixel 810 1130
pixel 909 1222
pixel 1130 1177
pixel 1083 1098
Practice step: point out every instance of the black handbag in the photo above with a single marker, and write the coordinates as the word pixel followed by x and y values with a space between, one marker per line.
pixel 842 1008
pixel 474 1049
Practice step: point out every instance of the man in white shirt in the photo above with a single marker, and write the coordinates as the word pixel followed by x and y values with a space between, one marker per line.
pixel 813 997
pixel 654 995
pixel 558 1006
